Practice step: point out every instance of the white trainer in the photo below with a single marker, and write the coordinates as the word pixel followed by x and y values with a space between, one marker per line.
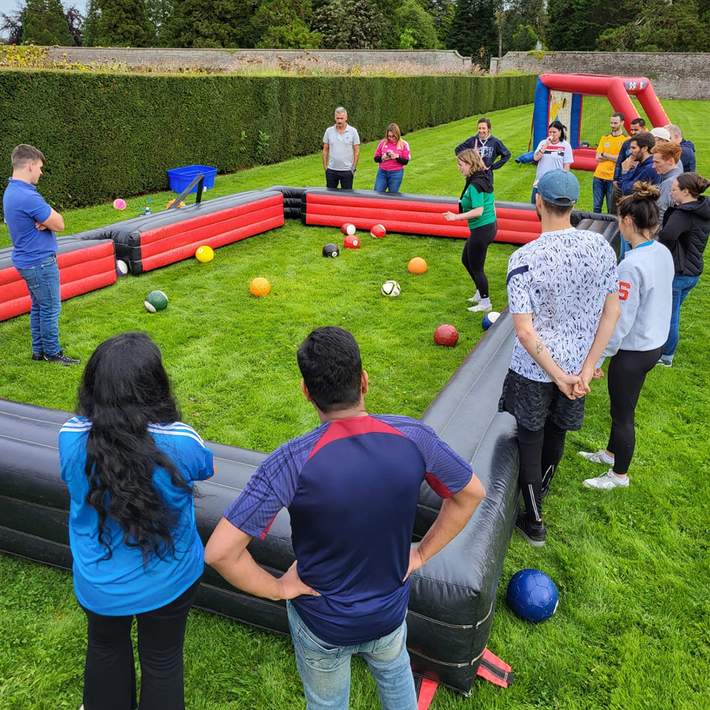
pixel 607 481
pixel 475 298
pixel 483 307
pixel 600 456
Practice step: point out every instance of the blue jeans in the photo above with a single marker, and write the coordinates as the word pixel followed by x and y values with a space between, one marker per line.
pixel 602 189
pixel 325 669
pixel 43 284
pixel 682 286
pixel 388 180
pixel 532 195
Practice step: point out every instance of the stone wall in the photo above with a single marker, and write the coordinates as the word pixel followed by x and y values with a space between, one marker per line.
pixel 673 75
pixel 234 60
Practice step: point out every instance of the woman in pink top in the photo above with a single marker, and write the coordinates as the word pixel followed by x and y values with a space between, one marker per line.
pixel 392 154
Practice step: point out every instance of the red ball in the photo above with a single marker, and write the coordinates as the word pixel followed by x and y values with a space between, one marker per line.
pixel 378 231
pixel 348 228
pixel 351 242
pixel 446 335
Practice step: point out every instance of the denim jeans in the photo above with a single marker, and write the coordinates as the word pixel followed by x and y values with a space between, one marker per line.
pixel 388 180
pixel 43 284
pixel 532 195
pixel 682 286
pixel 325 669
pixel 602 189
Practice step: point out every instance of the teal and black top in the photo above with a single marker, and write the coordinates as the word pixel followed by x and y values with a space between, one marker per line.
pixel 478 192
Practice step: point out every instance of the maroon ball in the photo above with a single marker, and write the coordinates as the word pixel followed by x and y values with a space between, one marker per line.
pixel 446 335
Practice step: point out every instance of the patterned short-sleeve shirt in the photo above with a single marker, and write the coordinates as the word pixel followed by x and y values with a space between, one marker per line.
pixel 563 279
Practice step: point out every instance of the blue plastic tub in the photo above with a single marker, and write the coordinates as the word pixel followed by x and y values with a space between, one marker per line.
pixel 180 178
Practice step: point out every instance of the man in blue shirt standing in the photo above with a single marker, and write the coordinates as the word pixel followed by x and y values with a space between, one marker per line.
pixel 32 223
pixel 351 487
pixel 641 164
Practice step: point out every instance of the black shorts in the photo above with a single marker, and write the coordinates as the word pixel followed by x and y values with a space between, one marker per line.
pixel 533 403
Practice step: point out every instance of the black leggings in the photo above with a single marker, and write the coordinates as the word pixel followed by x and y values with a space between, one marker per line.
pixel 109 676
pixel 473 256
pixel 540 453
pixel 627 373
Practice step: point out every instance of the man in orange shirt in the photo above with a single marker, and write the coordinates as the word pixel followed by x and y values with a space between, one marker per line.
pixel 607 152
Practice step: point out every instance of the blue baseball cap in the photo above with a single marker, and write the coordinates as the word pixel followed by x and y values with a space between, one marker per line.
pixel 559 187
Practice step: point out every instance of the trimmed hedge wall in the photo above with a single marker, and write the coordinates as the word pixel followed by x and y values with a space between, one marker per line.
pixel 106 135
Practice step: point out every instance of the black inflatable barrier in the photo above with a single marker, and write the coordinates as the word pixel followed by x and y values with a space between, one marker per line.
pixel 452 598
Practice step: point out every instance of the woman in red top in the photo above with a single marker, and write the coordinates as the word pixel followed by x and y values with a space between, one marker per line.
pixel 392 154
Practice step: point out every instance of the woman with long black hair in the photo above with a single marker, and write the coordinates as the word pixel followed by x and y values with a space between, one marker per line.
pixel 129 465
pixel 477 206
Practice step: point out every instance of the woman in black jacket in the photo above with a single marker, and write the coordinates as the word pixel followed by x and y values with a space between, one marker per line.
pixel 685 232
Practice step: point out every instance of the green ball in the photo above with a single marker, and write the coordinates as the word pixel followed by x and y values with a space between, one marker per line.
pixel 155 301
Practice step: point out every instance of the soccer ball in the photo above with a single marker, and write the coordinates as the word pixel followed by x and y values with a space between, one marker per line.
pixel 390 288
pixel 532 595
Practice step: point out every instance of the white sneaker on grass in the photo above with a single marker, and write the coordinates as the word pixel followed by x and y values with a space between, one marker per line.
pixel 607 481
pixel 600 456
pixel 483 306
pixel 475 298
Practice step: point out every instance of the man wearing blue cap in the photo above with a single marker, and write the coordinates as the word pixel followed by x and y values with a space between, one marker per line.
pixel 563 295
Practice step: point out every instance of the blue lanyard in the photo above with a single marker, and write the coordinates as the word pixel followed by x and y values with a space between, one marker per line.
pixel 644 244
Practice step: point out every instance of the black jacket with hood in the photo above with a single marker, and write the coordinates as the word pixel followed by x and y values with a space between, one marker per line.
pixel 685 232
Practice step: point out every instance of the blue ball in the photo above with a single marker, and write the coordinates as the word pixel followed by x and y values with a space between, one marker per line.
pixel 489 319
pixel 532 595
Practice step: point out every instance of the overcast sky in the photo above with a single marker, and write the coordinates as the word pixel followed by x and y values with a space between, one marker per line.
pixel 7 6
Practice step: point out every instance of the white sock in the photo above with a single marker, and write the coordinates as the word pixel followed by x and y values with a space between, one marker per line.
pixel 485 301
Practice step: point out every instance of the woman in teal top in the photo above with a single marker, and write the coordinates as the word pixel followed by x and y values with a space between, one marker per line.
pixel 477 206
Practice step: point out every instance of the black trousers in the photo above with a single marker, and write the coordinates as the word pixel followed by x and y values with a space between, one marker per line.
pixel 109 675
pixel 344 178
pixel 473 256
pixel 540 453
pixel 625 378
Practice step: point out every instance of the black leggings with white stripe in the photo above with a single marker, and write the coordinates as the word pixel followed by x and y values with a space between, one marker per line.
pixel 540 453
pixel 473 256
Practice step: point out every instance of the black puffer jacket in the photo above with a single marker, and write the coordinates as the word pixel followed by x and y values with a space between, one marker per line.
pixel 685 232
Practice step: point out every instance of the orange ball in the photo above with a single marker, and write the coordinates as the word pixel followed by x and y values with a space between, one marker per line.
pixel 417 265
pixel 259 287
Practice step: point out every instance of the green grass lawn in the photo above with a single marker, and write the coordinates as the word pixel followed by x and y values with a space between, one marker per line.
pixel 632 567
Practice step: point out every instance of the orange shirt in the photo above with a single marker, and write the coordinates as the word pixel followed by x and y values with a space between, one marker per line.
pixel 611 145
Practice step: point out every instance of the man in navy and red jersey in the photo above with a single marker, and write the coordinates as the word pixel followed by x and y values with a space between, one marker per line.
pixel 351 487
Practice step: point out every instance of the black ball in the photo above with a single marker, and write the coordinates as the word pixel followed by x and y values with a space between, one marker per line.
pixel 331 249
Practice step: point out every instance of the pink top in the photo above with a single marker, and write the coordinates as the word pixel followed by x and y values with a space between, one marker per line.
pixel 390 163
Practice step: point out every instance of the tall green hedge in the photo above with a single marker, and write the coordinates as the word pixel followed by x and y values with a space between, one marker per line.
pixel 106 135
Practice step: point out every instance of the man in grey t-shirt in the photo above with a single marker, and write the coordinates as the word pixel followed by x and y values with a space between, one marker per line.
pixel 341 150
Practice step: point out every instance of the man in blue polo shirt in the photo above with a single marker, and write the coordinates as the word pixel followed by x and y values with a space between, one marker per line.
pixel 351 487
pixel 32 223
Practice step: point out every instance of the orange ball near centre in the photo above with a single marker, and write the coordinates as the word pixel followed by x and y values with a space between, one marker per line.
pixel 259 287
pixel 417 265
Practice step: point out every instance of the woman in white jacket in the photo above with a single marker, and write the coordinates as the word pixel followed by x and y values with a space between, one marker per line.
pixel 645 294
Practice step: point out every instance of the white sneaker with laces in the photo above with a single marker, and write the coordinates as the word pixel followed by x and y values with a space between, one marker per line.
pixel 600 456
pixel 484 306
pixel 475 298
pixel 607 481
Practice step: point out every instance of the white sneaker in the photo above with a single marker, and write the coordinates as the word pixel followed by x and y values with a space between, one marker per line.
pixel 483 307
pixel 600 456
pixel 607 481
pixel 475 298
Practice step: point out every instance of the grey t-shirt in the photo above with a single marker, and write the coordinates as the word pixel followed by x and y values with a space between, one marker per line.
pixel 341 155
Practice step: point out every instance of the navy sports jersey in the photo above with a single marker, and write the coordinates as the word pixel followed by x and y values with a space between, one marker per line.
pixel 351 487
pixel 122 585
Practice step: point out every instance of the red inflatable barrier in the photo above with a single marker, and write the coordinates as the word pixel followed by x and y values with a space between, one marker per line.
pixel 84 266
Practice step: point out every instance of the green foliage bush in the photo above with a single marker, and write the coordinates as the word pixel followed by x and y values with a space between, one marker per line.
pixel 109 135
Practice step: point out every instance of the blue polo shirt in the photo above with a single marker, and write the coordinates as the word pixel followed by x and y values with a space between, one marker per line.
pixel 122 584
pixel 22 206
pixel 351 487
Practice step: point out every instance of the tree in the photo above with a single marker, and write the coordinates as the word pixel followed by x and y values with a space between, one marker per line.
pixel 415 25
pixel 75 22
pixel 44 23
pixel 212 23
pixel 660 27
pixel 12 24
pixel 521 16
pixel 353 24
pixel 158 14
pixel 524 38
pixel 283 24
pixel 117 23
pixel 473 30
pixel 576 24
pixel 442 13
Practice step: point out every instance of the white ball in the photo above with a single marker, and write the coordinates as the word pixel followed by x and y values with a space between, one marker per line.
pixel 121 267
pixel 390 288
pixel 351 229
pixel 493 316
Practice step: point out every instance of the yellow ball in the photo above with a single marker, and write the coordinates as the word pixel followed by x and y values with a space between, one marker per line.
pixel 204 254
pixel 417 265
pixel 259 287
pixel 170 203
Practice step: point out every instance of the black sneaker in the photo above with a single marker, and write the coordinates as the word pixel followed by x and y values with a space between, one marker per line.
pixel 531 530
pixel 62 359
pixel 37 357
